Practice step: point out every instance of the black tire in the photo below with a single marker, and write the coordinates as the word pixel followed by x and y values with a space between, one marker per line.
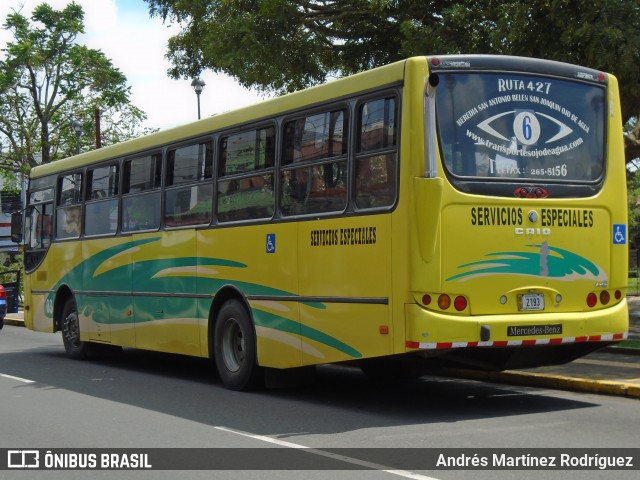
pixel 70 328
pixel 234 348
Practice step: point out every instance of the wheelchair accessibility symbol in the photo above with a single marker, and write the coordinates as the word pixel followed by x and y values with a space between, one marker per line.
pixel 619 234
pixel 271 243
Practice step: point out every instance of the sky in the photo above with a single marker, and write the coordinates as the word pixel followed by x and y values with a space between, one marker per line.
pixel 136 44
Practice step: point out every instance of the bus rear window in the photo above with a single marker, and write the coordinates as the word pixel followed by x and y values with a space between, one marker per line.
pixel 521 128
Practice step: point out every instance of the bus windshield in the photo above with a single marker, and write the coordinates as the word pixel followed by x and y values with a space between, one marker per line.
pixel 514 126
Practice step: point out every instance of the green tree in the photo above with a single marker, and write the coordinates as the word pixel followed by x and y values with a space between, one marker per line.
pixel 284 45
pixel 633 189
pixel 47 80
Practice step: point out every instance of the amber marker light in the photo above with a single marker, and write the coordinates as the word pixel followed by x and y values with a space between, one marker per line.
pixel 444 301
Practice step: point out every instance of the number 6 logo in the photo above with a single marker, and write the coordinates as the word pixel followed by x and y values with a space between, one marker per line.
pixel 526 128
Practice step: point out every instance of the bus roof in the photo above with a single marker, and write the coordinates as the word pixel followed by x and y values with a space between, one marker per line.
pixel 375 78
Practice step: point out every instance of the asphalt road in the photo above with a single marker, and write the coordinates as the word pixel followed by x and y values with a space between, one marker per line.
pixel 136 399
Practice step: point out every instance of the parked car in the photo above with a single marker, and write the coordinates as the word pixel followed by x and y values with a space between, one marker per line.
pixel 3 306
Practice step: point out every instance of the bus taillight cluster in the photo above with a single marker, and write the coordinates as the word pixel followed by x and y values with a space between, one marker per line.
pixel 445 302
pixel 604 297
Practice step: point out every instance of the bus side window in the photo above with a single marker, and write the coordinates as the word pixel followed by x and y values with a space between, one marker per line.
pixel 314 175
pixel 376 154
pixel 141 193
pixel 69 211
pixel 189 189
pixel 245 176
pixel 101 208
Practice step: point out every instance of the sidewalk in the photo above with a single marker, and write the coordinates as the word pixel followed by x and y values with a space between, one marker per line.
pixel 612 370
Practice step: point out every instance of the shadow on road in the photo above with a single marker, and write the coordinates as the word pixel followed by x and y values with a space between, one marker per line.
pixel 340 399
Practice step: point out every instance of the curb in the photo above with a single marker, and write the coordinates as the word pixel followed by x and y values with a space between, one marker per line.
pixel 557 382
pixel 14 322
pixel 623 350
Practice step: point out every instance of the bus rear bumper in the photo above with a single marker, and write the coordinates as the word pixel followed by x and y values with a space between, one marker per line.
pixel 499 342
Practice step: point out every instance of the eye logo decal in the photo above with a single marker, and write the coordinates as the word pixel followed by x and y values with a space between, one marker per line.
pixel 526 127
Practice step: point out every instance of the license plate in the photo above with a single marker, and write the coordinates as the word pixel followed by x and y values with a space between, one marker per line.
pixel 531 302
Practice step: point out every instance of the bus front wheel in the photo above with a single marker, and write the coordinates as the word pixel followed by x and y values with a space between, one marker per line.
pixel 70 327
pixel 235 348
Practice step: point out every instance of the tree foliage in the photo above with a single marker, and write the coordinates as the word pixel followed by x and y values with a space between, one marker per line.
pixel 283 45
pixel 47 80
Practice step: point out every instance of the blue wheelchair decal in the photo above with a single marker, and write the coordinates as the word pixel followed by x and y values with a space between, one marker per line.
pixel 619 234
pixel 271 243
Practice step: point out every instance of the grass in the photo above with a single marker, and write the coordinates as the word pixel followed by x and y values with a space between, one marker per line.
pixel 629 344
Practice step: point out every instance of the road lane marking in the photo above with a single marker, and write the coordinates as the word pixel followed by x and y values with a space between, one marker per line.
pixel 334 456
pixel 23 380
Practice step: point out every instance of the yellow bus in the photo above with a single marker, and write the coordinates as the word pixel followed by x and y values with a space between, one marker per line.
pixel 461 210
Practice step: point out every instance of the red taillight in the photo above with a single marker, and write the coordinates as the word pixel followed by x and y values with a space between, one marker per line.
pixel 618 294
pixel 604 297
pixel 3 294
pixel 592 299
pixel 460 303
pixel 426 299
pixel 444 301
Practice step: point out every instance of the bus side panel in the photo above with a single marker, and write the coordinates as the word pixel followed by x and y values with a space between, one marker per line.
pixel 164 281
pixel 616 191
pixel 260 262
pixel 105 310
pixel 61 266
pixel 346 263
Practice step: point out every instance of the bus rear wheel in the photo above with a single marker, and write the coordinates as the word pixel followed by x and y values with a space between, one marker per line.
pixel 70 327
pixel 234 348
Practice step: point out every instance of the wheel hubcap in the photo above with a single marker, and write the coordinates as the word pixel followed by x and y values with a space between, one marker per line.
pixel 233 350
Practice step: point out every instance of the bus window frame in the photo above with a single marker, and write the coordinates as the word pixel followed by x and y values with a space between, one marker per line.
pixel 89 202
pixel 348 105
pixel 345 107
pixel 65 208
pixel 153 191
pixel 357 154
pixel 271 123
pixel 210 181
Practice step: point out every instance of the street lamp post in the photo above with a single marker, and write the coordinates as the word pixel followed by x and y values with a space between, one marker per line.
pixel 77 127
pixel 198 86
